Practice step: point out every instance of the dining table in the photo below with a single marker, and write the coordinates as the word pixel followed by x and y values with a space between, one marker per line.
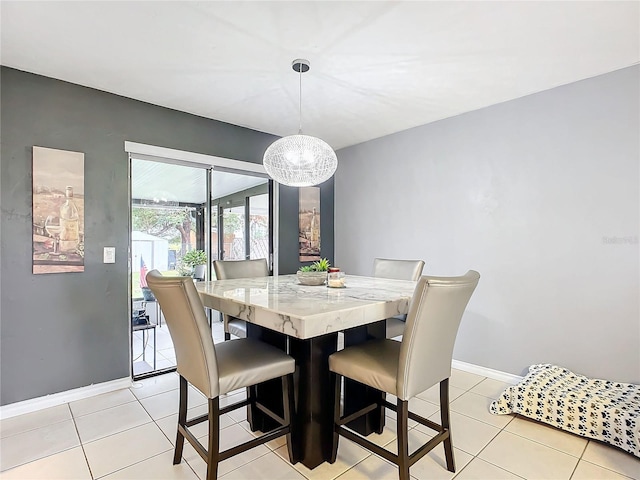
pixel 305 322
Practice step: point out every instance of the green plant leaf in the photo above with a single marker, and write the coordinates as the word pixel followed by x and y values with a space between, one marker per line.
pixel 194 257
pixel 321 265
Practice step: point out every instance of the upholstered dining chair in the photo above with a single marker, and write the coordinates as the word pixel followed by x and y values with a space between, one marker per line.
pixel 398 270
pixel 218 369
pixel 229 269
pixel 404 369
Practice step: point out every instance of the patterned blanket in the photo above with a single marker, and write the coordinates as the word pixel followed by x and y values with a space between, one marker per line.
pixel 598 409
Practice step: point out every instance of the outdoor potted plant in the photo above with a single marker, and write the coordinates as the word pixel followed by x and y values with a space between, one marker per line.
pixel 314 274
pixel 196 261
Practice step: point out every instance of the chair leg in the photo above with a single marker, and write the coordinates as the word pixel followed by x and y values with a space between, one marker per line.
pixel 402 415
pixel 444 421
pixel 182 420
pixel 383 413
pixel 214 439
pixel 227 336
pixel 288 404
pixel 251 396
pixel 336 416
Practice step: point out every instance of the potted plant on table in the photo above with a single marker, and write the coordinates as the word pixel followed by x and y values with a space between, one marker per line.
pixel 314 274
pixel 196 262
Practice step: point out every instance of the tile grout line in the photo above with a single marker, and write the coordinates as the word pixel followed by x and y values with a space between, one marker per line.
pixel 582 459
pixel 250 461
pixel 101 410
pixel 36 428
pixel 75 426
pixel 494 465
pixel 173 447
pixel 342 473
pixel 438 405
pixel 229 426
pixel 502 429
pixel 262 456
pixel 155 394
pixel 550 446
pixel 486 445
pixel 49 455
pixel 113 433
pixel 534 441
pixel 573 472
pixel 351 467
pixel 84 453
pixel 126 430
pixel 82 444
pixel 469 416
pixel 155 421
pixel 132 464
pixel 373 454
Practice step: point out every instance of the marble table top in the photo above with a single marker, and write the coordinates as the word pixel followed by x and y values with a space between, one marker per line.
pixel 282 304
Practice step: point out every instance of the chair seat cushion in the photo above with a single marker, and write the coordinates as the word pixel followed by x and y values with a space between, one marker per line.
pixel 395 326
pixel 237 327
pixel 244 362
pixel 373 363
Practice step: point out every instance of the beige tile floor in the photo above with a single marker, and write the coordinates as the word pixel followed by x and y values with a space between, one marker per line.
pixel 129 434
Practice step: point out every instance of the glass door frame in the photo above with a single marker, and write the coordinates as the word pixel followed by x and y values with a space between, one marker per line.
pixel 202 228
pixel 154 153
pixel 246 204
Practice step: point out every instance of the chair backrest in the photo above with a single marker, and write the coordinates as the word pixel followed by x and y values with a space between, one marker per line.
pixel 434 316
pixel 397 269
pixel 229 269
pixel 189 329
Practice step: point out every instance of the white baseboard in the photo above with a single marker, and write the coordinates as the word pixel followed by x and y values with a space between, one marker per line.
pixel 40 403
pixel 486 372
pixel 35 404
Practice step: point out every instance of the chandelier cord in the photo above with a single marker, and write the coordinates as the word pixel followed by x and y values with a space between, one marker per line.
pixel 300 160
pixel 300 101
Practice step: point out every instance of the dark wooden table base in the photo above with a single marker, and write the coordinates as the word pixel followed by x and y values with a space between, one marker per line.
pixel 313 423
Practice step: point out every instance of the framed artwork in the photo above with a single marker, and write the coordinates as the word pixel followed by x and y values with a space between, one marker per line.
pixel 309 224
pixel 58 211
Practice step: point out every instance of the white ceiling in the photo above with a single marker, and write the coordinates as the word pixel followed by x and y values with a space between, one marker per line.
pixel 376 67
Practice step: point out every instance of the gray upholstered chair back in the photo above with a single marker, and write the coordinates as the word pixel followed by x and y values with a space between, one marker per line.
pixel 397 269
pixel 434 316
pixel 229 269
pixel 189 329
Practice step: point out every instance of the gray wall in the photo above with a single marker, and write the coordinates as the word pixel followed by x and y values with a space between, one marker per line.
pixel 65 331
pixel 541 196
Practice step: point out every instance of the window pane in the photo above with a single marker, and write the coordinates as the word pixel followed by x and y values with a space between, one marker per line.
pixel 259 226
pixel 233 223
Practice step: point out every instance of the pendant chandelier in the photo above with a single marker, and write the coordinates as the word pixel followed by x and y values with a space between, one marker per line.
pixel 300 160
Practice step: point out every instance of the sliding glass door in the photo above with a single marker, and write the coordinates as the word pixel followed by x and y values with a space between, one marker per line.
pixel 241 216
pixel 169 210
pixel 176 210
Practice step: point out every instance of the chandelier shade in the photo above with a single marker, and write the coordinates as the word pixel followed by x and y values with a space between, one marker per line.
pixel 300 160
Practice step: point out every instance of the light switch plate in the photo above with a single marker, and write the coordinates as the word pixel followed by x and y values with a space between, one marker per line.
pixel 109 255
